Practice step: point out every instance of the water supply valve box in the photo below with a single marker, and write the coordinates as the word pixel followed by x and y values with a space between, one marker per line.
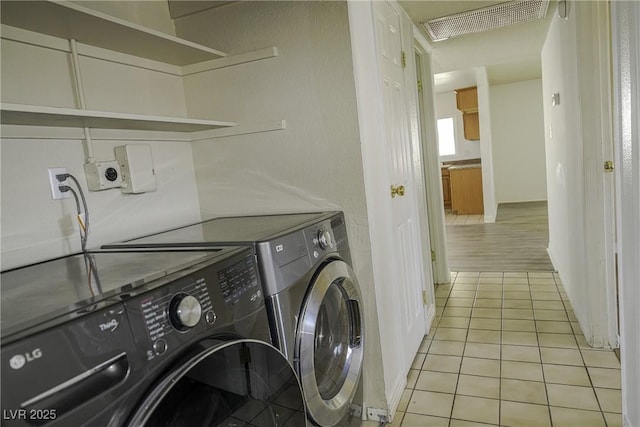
pixel 136 166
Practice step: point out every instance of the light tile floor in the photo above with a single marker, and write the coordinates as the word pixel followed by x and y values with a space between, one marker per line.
pixel 506 349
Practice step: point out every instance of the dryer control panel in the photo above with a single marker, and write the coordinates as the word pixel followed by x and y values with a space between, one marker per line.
pixel 204 300
pixel 286 259
pixel 327 236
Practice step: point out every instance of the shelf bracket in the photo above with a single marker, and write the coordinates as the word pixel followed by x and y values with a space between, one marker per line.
pixel 77 79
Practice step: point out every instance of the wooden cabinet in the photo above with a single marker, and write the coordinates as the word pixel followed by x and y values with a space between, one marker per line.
pixel 467 102
pixel 446 188
pixel 466 190
pixel 471 123
pixel 467 99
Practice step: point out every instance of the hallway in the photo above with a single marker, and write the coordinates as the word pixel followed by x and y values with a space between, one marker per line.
pixel 517 241
pixel 506 349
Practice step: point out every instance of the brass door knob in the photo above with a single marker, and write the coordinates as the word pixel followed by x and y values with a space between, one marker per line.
pixel 397 191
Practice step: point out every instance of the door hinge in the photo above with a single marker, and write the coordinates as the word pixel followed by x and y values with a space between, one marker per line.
pixel 609 166
pixel 377 414
pixel 404 59
pixel 420 86
pixel 433 256
pixel 425 298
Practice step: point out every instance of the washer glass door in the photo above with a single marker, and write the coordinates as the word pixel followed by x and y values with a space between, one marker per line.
pixel 329 346
pixel 236 383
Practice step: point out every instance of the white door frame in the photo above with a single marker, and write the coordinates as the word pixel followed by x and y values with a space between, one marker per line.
pixel 430 157
pixel 593 34
pixel 625 20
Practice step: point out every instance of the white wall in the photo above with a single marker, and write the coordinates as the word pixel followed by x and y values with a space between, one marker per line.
pixel 486 145
pixel 563 146
pixel 575 64
pixel 314 164
pixel 148 13
pixel 35 227
pixel 517 130
pixel 446 107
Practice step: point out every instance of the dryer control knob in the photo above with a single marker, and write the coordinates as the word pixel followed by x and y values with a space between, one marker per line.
pixel 184 311
pixel 324 239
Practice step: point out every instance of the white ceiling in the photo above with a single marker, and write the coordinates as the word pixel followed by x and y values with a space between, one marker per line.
pixel 509 54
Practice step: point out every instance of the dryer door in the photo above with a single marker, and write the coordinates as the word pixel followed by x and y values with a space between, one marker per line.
pixel 225 383
pixel 329 343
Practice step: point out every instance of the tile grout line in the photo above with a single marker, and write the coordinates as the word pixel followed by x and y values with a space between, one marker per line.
pixel 464 348
pixel 565 309
pixel 544 378
pixel 584 362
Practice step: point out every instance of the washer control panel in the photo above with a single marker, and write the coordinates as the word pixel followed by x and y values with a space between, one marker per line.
pixel 237 280
pixel 184 311
pixel 199 300
pixel 165 312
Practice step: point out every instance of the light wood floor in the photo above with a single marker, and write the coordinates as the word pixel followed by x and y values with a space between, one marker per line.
pixel 517 241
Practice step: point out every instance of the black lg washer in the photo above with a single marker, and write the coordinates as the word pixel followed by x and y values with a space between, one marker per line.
pixel 170 339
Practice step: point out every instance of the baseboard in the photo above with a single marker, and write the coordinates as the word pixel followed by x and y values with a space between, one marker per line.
pixel 430 316
pixel 396 395
pixel 552 260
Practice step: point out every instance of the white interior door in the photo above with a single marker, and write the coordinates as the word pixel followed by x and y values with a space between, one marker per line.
pixel 406 228
pixel 626 70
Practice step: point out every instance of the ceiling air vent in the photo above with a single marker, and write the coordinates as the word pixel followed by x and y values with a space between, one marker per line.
pixel 487 18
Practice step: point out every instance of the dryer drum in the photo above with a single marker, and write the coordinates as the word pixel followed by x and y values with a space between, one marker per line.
pixel 329 343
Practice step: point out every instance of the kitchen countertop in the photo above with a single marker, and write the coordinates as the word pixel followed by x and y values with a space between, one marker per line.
pixel 472 166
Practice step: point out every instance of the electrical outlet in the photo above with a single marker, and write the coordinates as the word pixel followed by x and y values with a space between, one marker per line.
pixel 103 175
pixel 56 194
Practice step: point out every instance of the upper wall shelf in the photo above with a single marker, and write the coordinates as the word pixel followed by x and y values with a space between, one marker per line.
pixel 32 115
pixel 71 21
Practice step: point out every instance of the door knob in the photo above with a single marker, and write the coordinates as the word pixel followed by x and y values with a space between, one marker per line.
pixel 397 191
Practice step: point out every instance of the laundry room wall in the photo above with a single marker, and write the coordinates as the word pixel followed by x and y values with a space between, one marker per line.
pixel 33 226
pixel 151 14
pixel 316 162
pixel 517 129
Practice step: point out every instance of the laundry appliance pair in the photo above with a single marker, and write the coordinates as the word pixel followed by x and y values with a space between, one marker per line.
pixel 312 296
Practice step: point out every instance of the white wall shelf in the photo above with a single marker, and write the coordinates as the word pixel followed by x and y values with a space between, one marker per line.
pixel 231 60
pixel 64 20
pixel 243 129
pixel 71 21
pixel 32 115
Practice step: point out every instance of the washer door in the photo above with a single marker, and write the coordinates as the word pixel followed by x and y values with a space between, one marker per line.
pixel 236 383
pixel 329 343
